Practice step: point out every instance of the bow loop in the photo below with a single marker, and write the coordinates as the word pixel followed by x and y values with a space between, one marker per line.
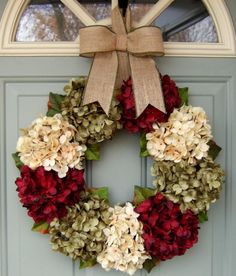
pixel 146 41
pixel 96 39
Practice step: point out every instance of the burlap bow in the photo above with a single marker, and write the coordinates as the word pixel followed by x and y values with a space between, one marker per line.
pixel 119 53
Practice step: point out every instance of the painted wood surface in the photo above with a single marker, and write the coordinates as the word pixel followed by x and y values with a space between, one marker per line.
pixel 24 97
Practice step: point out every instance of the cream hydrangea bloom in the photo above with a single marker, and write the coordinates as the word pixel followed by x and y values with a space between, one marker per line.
pixel 48 142
pixel 184 136
pixel 124 248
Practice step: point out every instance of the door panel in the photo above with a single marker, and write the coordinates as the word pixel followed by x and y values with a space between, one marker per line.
pixel 120 169
pixel 28 254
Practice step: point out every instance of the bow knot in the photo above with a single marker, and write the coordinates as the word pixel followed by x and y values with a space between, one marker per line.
pixel 121 42
pixel 119 53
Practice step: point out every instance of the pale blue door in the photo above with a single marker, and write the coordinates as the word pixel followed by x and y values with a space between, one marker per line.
pixel 24 87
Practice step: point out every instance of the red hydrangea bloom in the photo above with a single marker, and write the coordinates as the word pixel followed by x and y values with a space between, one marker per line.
pixel 167 232
pixel 45 195
pixel 151 114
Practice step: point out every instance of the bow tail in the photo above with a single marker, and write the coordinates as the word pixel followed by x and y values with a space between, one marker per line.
pixel 123 69
pixel 146 84
pixel 101 80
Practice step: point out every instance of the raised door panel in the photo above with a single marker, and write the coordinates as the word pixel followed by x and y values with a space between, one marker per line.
pixel 120 169
pixel 28 253
pixel 206 257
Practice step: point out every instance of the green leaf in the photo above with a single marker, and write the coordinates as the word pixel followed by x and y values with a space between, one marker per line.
pixel 18 162
pixel 202 217
pixel 183 92
pixel 92 152
pixel 102 193
pixel 141 193
pixel 150 264
pixel 143 145
pixel 54 104
pixel 41 227
pixel 86 264
pixel 214 149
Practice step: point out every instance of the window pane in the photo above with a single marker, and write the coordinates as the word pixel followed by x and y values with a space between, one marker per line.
pixel 187 21
pixel 50 20
pixel 99 10
pixel 202 31
pixel 139 8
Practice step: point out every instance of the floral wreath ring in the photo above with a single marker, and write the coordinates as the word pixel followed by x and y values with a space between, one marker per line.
pixel 160 223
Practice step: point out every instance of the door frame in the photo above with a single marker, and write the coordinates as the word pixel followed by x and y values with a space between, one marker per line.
pixel 19 69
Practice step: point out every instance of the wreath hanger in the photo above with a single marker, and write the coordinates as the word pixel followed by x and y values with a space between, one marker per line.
pixel 123 4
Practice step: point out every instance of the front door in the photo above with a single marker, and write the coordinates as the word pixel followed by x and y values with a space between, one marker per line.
pixel 24 86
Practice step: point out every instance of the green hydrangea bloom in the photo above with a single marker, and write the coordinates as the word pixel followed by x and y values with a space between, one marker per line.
pixel 93 125
pixel 194 187
pixel 80 233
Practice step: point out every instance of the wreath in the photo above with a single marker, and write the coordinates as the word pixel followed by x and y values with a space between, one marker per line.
pixel 159 223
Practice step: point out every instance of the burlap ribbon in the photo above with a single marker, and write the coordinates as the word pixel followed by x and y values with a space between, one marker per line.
pixel 119 53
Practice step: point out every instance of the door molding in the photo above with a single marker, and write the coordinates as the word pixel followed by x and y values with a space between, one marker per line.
pixel 216 8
